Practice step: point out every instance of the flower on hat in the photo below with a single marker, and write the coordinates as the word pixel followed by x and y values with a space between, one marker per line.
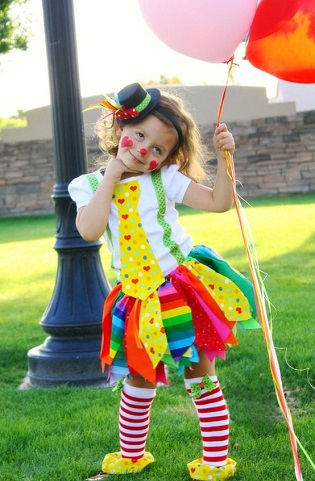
pixel 124 114
pixel 119 111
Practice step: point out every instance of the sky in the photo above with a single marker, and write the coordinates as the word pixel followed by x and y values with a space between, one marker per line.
pixel 115 46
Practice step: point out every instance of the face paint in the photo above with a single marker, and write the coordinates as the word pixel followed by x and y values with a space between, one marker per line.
pixel 143 151
pixel 153 164
pixel 126 142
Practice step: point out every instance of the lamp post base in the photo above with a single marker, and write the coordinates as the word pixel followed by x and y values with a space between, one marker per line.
pixel 73 317
pixel 65 362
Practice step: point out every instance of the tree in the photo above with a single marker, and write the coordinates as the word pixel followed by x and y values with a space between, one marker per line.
pixel 170 80
pixel 13 32
pixel 164 81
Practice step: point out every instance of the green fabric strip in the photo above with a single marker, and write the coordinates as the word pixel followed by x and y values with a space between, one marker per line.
pixel 180 319
pixel 185 327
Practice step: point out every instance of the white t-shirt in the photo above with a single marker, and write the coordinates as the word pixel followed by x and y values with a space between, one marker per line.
pixel 175 185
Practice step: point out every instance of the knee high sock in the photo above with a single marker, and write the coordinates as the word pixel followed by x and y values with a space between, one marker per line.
pixel 134 420
pixel 214 422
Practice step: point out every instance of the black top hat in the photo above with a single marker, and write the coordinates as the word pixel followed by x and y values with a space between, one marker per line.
pixel 135 103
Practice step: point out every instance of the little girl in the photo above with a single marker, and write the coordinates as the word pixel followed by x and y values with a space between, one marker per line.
pixel 174 304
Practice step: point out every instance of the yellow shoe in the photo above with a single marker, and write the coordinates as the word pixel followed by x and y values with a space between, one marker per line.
pixel 204 472
pixel 114 463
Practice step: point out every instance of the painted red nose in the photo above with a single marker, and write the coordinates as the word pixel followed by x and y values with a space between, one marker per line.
pixel 143 152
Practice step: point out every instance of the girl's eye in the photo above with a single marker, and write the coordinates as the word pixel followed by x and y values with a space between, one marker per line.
pixel 140 135
pixel 157 150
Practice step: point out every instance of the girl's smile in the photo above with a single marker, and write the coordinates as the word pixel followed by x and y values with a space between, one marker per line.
pixel 146 144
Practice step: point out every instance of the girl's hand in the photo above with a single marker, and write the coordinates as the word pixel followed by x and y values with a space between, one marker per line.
pixel 223 141
pixel 115 169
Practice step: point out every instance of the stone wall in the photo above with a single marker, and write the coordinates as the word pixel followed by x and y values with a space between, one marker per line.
pixel 275 155
pixel 27 178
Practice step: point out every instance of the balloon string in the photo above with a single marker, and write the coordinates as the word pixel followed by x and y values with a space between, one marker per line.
pixel 306 369
pixel 220 109
pixel 261 297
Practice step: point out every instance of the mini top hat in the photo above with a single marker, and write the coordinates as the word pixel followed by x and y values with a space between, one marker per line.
pixel 135 103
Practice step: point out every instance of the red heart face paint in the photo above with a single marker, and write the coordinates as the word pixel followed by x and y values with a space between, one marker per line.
pixel 153 164
pixel 126 142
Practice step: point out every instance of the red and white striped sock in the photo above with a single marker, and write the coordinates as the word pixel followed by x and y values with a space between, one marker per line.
pixel 134 420
pixel 214 422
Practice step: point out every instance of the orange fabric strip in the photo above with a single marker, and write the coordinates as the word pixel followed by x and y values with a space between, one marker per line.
pixel 137 357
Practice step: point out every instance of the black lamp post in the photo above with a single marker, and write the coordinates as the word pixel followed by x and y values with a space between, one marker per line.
pixel 70 355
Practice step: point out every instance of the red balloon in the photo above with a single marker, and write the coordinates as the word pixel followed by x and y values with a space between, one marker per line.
pixel 282 39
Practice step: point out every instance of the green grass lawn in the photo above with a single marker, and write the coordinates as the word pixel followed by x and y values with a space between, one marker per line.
pixel 61 434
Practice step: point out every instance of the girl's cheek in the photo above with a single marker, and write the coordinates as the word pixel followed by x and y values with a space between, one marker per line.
pixel 126 141
pixel 153 164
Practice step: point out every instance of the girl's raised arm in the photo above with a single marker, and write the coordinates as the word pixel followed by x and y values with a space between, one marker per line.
pixel 92 219
pixel 220 198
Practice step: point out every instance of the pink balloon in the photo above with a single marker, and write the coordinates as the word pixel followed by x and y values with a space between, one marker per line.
pixel 207 30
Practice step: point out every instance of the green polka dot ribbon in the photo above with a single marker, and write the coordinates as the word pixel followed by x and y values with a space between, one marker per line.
pixel 206 383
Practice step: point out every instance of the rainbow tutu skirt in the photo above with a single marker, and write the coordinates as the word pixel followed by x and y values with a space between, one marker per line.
pixel 199 307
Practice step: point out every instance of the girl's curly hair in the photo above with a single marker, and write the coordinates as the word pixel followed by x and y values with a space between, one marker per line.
pixel 190 153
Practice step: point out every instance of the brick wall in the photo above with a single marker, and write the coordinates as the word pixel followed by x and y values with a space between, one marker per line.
pixel 275 155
